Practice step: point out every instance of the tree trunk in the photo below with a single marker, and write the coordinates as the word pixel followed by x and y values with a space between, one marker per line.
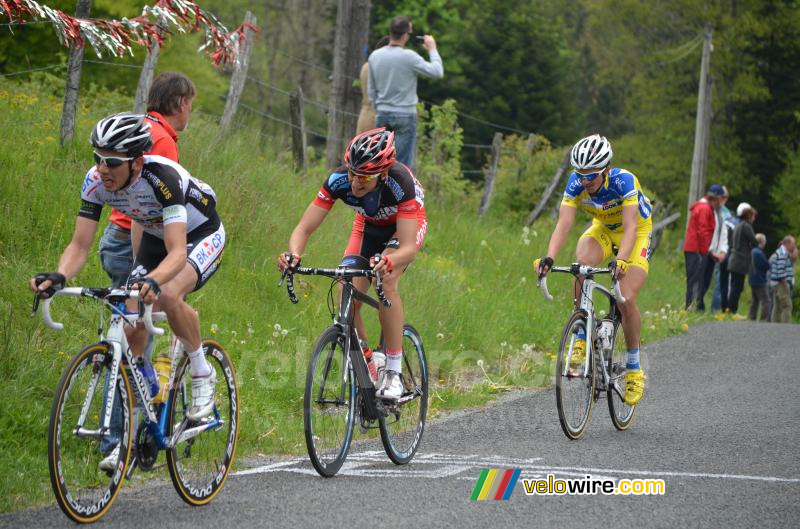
pixel 73 79
pixel 352 30
pixel 239 75
pixel 146 77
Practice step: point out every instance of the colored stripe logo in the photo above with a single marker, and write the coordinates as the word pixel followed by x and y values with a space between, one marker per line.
pixel 495 484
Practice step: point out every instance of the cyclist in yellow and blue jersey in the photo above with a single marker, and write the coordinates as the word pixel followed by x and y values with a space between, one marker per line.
pixel 622 218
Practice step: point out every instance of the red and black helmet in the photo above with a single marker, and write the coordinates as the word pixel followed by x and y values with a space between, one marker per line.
pixel 371 152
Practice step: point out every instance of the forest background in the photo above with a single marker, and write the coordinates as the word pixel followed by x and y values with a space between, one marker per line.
pixel 627 69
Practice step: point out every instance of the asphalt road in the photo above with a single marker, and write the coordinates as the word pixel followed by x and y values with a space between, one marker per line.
pixel 720 425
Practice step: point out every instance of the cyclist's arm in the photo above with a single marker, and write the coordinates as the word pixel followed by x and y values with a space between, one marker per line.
pixel 407 236
pixel 175 261
pixel 630 221
pixel 76 252
pixel 136 237
pixel 311 220
pixel 566 218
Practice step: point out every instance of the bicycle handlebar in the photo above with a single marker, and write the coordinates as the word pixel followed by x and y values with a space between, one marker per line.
pixel 100 293
pixel 333 273
pixel 583 270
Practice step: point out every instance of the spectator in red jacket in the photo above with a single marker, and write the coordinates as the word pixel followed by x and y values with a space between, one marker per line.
pixel 699 234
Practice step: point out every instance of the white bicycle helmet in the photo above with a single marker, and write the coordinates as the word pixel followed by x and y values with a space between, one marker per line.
pixel 123 132
pixel 591 152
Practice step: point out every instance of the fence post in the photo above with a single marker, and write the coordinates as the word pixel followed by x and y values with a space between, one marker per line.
pixel 488 187
pixel 548 190
pixel 297 117
pixel 146 76
pixel 73 79
pixel 239 75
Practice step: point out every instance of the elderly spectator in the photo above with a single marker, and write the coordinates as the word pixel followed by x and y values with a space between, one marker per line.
pixel 700 234
pixel 758 280
pixel 782 280
pixel 744 240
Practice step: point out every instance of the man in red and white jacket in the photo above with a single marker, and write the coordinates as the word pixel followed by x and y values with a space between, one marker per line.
pixel 699 235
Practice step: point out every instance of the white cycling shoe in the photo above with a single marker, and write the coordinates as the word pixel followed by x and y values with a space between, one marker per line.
pixel 202 396
pixel 390 387
pixel 109 463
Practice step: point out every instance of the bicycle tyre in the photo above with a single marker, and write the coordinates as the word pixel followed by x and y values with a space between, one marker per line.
pixel 574 387
pixel 621 412
pixel 83 491
pixel 199 466
pixel 329 403
pixel 401 430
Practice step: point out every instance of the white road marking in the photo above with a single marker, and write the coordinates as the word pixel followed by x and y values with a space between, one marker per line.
pixel 366 464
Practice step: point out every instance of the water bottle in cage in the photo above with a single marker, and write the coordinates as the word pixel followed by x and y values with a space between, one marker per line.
pixel 605 333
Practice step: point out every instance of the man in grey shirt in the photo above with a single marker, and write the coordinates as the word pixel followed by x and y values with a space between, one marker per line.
pixel 393 72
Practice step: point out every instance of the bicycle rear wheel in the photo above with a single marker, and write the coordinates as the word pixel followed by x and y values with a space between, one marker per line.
pixel 574 384
pixel 621 413
pixel 401 429
pixel 82 490
pixel 329 403
pixel 201 458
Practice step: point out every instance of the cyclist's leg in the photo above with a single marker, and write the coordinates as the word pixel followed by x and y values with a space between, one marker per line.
pixel 365 241
pixel 204 256
pixel 393 318
pixel 630 285
pixel 594 247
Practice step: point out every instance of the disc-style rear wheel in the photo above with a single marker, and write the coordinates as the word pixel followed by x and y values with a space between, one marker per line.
pixel 574 381
pixel 621 413
pixel 329 403
pixel 201 457
pixel 84 491
pixel 401 429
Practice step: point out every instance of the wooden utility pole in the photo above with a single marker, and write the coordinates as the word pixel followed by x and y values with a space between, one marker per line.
pixel 491 174
pixel 73 79
pixel 297 116
pixel 239 75
pixel 146 76
pixel 352 30
pixel 702 128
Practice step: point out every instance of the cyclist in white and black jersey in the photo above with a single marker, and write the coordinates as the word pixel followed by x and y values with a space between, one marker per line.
pixel 177 235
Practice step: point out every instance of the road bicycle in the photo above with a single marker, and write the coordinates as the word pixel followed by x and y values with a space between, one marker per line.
pixel 602 371
pixel 339 391
pixel 198 453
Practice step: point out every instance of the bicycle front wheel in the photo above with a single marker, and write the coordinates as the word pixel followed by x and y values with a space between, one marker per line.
pixel 329 403
pixel 203 450
pixel 621 413
pixel 574 383
pixel 401 429
pixel 84 491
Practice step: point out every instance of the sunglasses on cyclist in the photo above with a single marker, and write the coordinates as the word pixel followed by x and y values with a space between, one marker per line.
pixel 591 176
pixel 361 177
pixel 109 161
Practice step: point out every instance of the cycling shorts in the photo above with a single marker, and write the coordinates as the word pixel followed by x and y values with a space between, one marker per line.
pixel 640 255
pixel 204 248
pixel 368 239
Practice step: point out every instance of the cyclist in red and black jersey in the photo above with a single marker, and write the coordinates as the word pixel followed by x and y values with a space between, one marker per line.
pixel 390 221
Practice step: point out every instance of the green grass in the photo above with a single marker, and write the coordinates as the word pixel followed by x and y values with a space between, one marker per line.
pixel 471 292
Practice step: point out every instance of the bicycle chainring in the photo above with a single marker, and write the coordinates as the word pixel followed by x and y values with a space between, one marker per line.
pixel 146 447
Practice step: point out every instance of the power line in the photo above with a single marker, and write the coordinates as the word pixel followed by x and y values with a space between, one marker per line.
pixel 43 68
pixel 317 104
pixel 136 66
pixel 279 120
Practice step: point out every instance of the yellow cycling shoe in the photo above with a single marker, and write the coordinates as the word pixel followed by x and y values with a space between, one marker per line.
pixel 634 386
pixel 578 352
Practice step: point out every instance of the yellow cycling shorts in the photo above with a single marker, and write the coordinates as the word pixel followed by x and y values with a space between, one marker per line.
pixel 640 256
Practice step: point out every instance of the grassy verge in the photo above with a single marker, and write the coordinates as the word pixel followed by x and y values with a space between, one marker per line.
pixel 471 293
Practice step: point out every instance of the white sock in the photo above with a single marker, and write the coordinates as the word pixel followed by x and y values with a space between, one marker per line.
pixel 199 365
pixel 394 360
